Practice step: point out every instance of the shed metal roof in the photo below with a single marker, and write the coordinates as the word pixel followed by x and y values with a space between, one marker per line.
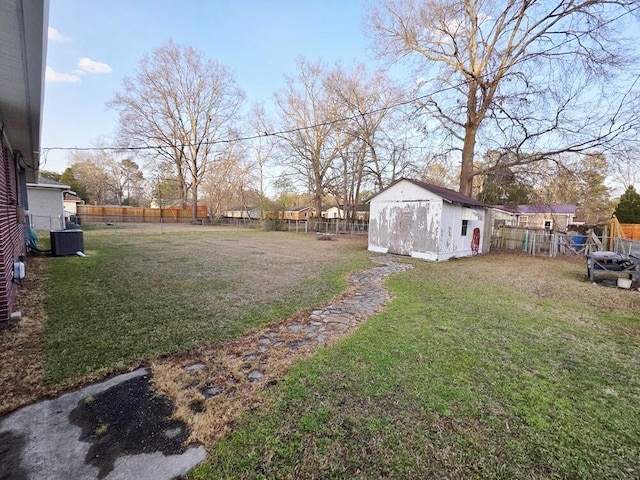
pixel 447 194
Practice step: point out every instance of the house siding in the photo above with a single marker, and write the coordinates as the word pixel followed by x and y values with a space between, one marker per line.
pixel 301 214
pixel 12 244
pixel 536 220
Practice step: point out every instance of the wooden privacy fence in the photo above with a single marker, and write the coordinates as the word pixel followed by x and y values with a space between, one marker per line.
pixel 614 229
pixel 630 230
pixel 99 213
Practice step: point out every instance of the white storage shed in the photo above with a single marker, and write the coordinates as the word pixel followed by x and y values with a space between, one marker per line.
pixel 426 221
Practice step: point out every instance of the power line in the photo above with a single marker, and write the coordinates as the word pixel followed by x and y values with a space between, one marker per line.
pixel 258 135
pixel 334 121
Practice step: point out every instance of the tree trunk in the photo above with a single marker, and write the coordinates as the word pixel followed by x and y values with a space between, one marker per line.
pixel 469 145
pixel 468 152
pixel 194 205
pixel 318 202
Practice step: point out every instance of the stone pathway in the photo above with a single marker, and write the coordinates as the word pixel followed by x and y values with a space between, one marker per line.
pixel 212 385
pixel 110 429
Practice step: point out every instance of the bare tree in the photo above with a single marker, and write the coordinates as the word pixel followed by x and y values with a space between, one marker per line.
pixel 262 152
pixel 227 181
pixel 307 116
pixel 625 168
pixel 106 176
pixel 184 107
pixel 91 176
pixel 521 76
pixel 366 105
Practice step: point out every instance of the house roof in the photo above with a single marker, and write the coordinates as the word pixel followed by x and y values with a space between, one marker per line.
pixel 48 183
pixel 447 194
pixel 23 36
pixel 554 209
pixel 241 209
pixel 70 197
pixel 360 207
pixel 297 209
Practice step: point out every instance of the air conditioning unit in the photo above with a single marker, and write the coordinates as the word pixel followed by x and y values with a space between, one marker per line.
pixel 66 242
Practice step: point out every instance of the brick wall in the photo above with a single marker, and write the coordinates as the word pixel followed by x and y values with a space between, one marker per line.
pixel 12 243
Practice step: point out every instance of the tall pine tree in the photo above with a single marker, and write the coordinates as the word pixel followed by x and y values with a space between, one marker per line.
pixel 628 209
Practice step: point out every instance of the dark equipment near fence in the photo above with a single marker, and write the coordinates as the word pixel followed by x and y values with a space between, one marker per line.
pixel 612 262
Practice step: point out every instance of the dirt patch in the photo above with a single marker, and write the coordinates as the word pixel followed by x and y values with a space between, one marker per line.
pixel 20 343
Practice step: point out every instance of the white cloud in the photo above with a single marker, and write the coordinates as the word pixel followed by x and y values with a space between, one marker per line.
pixel 55 36
pixel 52 76
pixel 91 66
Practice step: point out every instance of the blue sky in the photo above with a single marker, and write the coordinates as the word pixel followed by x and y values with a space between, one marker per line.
pixel 94 44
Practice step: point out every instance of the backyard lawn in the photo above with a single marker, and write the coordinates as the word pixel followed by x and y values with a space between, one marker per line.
pixel 142 293
pixel 498 366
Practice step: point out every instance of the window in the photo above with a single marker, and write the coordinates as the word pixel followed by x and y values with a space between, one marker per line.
pixel 465 224
pixel 548 224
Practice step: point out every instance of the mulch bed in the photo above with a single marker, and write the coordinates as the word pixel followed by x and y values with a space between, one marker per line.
pixel 21 375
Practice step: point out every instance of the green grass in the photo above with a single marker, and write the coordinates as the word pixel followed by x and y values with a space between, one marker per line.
pixel 493 367
pixel 138 295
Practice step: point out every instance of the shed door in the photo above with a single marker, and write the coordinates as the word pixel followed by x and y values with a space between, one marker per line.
pixel 401 234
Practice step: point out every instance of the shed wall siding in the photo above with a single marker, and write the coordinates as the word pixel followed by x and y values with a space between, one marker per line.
pixel 405 228
pixel 407 219
pixel 405 192
pixel 453 243
pixel 46 207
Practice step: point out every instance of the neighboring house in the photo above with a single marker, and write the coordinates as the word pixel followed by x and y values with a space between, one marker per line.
pixel 252 213
pixel 361 213
pixel 426 221
pixel 332 213
pixel 46 204
pixel 23 36
pixel 501 216
pixel 164 203
pixel 550 217
pixel 71 202
pixel 297 213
